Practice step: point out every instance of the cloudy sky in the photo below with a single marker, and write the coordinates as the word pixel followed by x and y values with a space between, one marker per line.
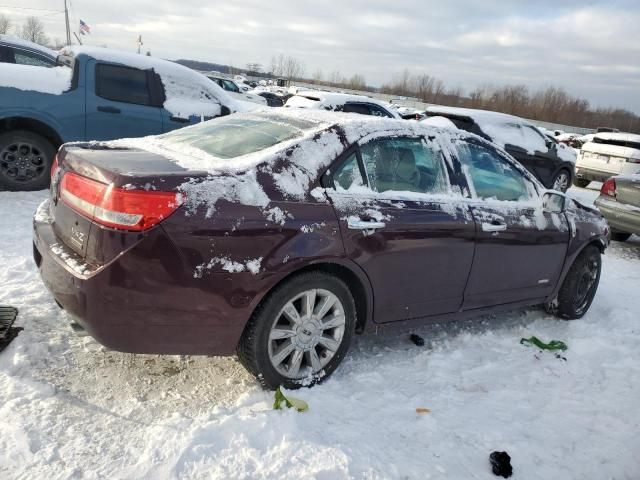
pixel 591 48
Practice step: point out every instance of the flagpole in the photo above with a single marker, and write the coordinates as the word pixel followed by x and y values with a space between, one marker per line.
pixel 66 20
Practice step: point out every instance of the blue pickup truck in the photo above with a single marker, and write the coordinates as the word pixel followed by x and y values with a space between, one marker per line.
pixel 94 94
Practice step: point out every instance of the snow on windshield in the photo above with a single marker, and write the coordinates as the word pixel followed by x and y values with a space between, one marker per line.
pixel 52 80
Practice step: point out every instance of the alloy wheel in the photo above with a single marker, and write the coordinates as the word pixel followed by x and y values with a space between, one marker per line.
pixel 561 183
pixel 22 162
pixel 588 276
pixel 306 333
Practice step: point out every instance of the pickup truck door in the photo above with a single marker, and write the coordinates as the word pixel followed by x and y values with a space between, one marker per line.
pixel 121 102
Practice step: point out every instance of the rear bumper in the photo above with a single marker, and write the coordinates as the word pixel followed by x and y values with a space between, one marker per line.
pixel 621 217
pixel 593 175
pixel 143 302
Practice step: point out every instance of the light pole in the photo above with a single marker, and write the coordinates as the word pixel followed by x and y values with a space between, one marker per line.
pixel 66 20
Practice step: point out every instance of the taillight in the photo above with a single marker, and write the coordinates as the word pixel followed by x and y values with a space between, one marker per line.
pixel 113 207
pixel 54 166
pixel 609 188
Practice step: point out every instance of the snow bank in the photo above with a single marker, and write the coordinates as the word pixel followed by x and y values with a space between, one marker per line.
pixel 188 92
pixel 52 80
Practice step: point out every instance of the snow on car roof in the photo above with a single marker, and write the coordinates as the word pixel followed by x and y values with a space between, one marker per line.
pixel 188 92
pixel 8 39
pixel 324 99
pixel 479 116
pixel 51 80
pixel 620 137
pixel 503 129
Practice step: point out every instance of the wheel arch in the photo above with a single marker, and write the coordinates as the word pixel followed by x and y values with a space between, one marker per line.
pixel 32 125
pixel 355 279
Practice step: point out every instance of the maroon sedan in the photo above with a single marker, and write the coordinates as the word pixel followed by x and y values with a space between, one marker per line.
pixel 278 235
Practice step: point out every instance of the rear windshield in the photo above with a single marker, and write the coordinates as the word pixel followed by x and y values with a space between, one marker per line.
pixel 619 143
pixel 236 135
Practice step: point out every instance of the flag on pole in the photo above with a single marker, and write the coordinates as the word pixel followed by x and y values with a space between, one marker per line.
pixel 84 28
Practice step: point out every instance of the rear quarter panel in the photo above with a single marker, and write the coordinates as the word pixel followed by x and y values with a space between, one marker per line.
pixel 240 252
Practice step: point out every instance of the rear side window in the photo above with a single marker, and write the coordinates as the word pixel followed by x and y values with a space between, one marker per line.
pixel 404 164
pixel 491 176
pixel 348 174
pixel 122 84
pixel 22 57
pixel 360 108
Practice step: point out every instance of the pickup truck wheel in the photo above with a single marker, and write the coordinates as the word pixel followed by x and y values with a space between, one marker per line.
pixel 301 332
pixel 25 161
pixel 581 182
pixel 580 285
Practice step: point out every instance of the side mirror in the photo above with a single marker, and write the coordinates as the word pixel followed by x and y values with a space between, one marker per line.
pixel 554 202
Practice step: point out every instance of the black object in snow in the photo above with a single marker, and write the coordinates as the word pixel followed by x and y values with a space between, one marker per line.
pixel 7 332
pixel 417 339
pixel 501 464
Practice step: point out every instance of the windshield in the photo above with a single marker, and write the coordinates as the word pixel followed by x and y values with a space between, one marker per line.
pixel 237 135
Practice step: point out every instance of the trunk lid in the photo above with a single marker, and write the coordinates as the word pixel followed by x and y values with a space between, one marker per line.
pixel 122 168
pixel 628 190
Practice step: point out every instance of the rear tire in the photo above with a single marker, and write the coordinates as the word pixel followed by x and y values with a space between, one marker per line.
pixel 25 161
pixel 581 182
pixel 280 351
pixel 580 285
pixel 620 236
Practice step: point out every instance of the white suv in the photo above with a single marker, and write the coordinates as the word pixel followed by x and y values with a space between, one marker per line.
pixel 608 154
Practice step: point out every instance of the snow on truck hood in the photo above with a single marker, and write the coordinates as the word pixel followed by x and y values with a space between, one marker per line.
pixel 187 91
pixel 51 80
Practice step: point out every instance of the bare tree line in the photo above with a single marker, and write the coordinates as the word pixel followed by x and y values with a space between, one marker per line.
pixel 551 104
pixel 32 29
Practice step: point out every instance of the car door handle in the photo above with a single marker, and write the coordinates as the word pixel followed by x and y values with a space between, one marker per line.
pixel 106 109
pixel 494 227
pixel 179 119
pixel 368 227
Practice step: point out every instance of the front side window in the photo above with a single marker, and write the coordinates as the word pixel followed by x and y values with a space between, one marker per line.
pixel 122 84
pixel 404 164
pixel 230 86
pixel 491 176
pixel 378 111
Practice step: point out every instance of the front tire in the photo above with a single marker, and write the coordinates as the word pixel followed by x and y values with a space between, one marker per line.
pixel 301 332
pixel 580 285
pixel 25 161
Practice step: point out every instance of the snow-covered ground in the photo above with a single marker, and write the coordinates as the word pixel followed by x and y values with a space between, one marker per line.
pixel 69 409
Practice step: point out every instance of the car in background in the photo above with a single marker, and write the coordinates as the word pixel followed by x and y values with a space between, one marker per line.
pixel 619 203
pixel 273 99
pixel 606 155
pixel 22 52
pixel 551 162
pixel 233 89
pixel 95 94
pixel 289 231
pixel 341 102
